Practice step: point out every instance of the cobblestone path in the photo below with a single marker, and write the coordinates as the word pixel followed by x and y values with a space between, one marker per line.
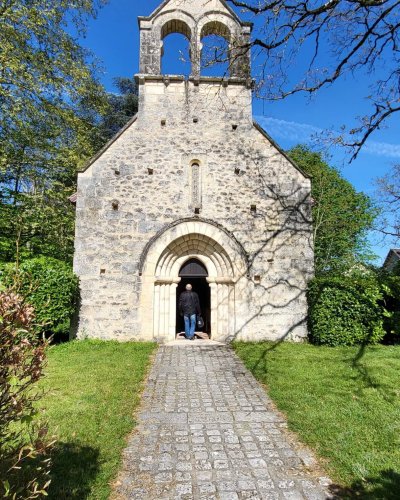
pixel 208 430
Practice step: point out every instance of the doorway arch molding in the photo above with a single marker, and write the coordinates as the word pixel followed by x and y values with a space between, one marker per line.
pixel 216 249
pixel 179 223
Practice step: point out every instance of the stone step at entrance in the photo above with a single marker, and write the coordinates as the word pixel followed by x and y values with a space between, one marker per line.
pixel 198 335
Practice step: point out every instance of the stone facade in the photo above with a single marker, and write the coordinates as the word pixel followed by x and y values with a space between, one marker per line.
pixel 193 177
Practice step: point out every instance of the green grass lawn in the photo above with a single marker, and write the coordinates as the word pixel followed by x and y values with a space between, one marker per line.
pixel 92 389
pixel 342 402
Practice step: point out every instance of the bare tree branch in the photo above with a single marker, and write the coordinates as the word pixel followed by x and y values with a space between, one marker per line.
pixel 389 198
pixel 355 37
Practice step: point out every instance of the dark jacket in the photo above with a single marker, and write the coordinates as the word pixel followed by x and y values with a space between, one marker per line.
pixel 189 303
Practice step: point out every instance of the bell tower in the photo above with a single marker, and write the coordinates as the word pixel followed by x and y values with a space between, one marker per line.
pixel 191 102
pixel 192 178
pixel 195 19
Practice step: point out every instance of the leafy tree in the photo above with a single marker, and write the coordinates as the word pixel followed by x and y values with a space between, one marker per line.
pixel 43 70
pixel 329 39
pixel 50 103
pixel 122 106
pixel 341 216
pixel 389 199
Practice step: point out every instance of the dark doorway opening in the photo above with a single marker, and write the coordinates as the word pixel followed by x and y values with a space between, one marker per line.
pixel 195 273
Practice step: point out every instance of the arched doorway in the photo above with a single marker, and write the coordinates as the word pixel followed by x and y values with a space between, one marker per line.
pixel 162 262
pixel 195 272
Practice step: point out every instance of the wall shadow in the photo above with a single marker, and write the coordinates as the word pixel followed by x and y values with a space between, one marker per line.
pixel 385 486
pixel 74 468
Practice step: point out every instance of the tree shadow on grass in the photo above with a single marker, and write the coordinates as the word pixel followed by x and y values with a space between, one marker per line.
pixel 74 468
pixel 362 370
pixel 365 377
pixel 385 486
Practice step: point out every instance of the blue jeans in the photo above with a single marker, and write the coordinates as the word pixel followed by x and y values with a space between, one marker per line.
pixel 190 325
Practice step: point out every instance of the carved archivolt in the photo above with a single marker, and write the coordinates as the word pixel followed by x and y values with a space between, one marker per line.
pixel 223 259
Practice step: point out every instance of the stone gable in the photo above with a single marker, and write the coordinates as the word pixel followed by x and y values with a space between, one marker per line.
pixel 192 176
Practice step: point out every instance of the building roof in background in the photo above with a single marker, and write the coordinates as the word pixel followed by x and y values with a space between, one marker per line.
pixel 393 258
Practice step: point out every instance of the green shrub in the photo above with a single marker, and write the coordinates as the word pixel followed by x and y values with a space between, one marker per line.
pixel 391 286
pixel 50 286
pixel 346 310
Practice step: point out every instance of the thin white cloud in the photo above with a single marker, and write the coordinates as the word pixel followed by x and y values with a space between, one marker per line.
pixel 383 149
pixel 305 133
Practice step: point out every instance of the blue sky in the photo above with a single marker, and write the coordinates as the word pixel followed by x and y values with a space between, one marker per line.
pixel 114 40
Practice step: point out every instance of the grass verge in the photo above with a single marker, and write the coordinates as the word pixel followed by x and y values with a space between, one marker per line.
pixel 342 402
pixel 91 391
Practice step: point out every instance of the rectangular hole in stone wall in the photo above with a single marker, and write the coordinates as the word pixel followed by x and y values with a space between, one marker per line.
pixel 150 171
pixel 253 208
pixel 102 271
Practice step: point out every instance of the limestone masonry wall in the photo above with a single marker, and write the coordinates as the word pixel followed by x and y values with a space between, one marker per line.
pixel 145 183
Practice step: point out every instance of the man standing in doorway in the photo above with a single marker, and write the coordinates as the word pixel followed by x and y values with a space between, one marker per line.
pixel 189 308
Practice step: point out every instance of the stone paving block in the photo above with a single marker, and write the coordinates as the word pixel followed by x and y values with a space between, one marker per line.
pixel 228 496
pixel 207 488
pixel 227 486
pixel 207 455
pixel 204 475
pixel 293 495
pixel 265 484
pixel 184 489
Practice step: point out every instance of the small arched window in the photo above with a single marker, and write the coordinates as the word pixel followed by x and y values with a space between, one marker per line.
pixel 215 53
pixel 196 184
pixel 175 52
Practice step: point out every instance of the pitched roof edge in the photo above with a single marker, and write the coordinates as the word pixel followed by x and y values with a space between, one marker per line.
pixel 107 145
pixel 276 145
pixel 392 251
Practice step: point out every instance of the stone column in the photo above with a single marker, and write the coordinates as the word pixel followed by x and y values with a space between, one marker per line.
pixel 195 54
pixel 231 309
pixel 150 52
pixel 172 311
pixel 214 308
pixel 156 311
pixel 239 55
pixel 220 310
pixel 161 318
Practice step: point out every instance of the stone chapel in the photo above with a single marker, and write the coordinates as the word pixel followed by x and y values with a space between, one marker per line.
pixel 193 190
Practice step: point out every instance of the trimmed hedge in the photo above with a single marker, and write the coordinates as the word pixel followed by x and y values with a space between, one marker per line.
pixel 346 310
pixel 50 286
pixel 391 286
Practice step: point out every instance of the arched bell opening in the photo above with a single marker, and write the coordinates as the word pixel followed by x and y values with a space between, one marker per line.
pixel 175 48
pixel 215 57
pixel 193 271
